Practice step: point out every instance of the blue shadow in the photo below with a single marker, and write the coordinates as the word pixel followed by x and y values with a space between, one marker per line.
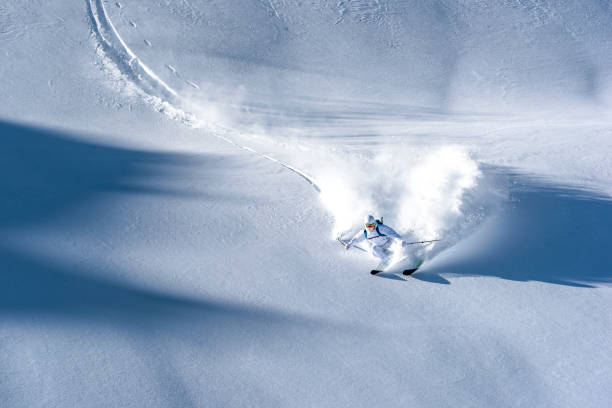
pixel 546 233
pixel 44 174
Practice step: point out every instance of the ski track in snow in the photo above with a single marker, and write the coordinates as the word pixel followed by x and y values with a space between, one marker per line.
pixel 143 80
pixel 154 90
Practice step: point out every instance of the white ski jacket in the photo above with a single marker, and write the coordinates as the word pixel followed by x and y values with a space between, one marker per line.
pixel 380 236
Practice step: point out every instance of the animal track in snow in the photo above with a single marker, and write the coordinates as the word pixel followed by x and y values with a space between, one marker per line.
pixel 193 84
pixel 171 68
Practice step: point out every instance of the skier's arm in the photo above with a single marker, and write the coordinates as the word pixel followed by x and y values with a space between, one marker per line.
pixel 386 230
pixel 357 238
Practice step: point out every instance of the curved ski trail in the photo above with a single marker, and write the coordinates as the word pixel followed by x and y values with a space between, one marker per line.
pixel 154 90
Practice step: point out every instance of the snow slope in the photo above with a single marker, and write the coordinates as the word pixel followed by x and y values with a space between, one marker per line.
pixel 162 243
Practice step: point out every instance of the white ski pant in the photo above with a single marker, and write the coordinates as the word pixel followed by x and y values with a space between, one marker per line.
pixel 382 252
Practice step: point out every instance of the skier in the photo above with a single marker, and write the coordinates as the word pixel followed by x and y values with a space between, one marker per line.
pixel 379 236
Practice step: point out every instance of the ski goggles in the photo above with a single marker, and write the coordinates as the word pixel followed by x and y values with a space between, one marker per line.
pixel 370 226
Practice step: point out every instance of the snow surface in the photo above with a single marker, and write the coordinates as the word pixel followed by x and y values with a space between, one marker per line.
pixel 174 175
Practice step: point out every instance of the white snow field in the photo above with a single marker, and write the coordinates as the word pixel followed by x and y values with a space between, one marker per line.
pixel 174 173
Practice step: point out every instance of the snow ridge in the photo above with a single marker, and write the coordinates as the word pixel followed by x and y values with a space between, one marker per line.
pixel 155 90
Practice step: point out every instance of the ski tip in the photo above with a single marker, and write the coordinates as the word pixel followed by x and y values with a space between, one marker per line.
pixel 413 270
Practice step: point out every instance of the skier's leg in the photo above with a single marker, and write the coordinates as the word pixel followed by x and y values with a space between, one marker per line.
pixel 381 253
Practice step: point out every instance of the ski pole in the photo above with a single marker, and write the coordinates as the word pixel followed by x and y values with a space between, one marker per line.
pixel 352 246
pixel 423 242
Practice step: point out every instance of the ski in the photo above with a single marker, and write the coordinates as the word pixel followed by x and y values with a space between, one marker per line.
pixel 408 272
pixel 405 272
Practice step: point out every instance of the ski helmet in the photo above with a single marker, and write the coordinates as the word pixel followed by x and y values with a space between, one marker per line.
pixel 370 220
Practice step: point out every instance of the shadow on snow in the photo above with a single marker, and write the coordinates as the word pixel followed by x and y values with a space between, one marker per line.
pixel 45 175
pixel 48 177
pixel 546 232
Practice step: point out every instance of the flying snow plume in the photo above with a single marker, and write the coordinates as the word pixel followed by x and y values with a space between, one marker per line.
pixel 344 186
pixel 431 197
pixel 420 193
